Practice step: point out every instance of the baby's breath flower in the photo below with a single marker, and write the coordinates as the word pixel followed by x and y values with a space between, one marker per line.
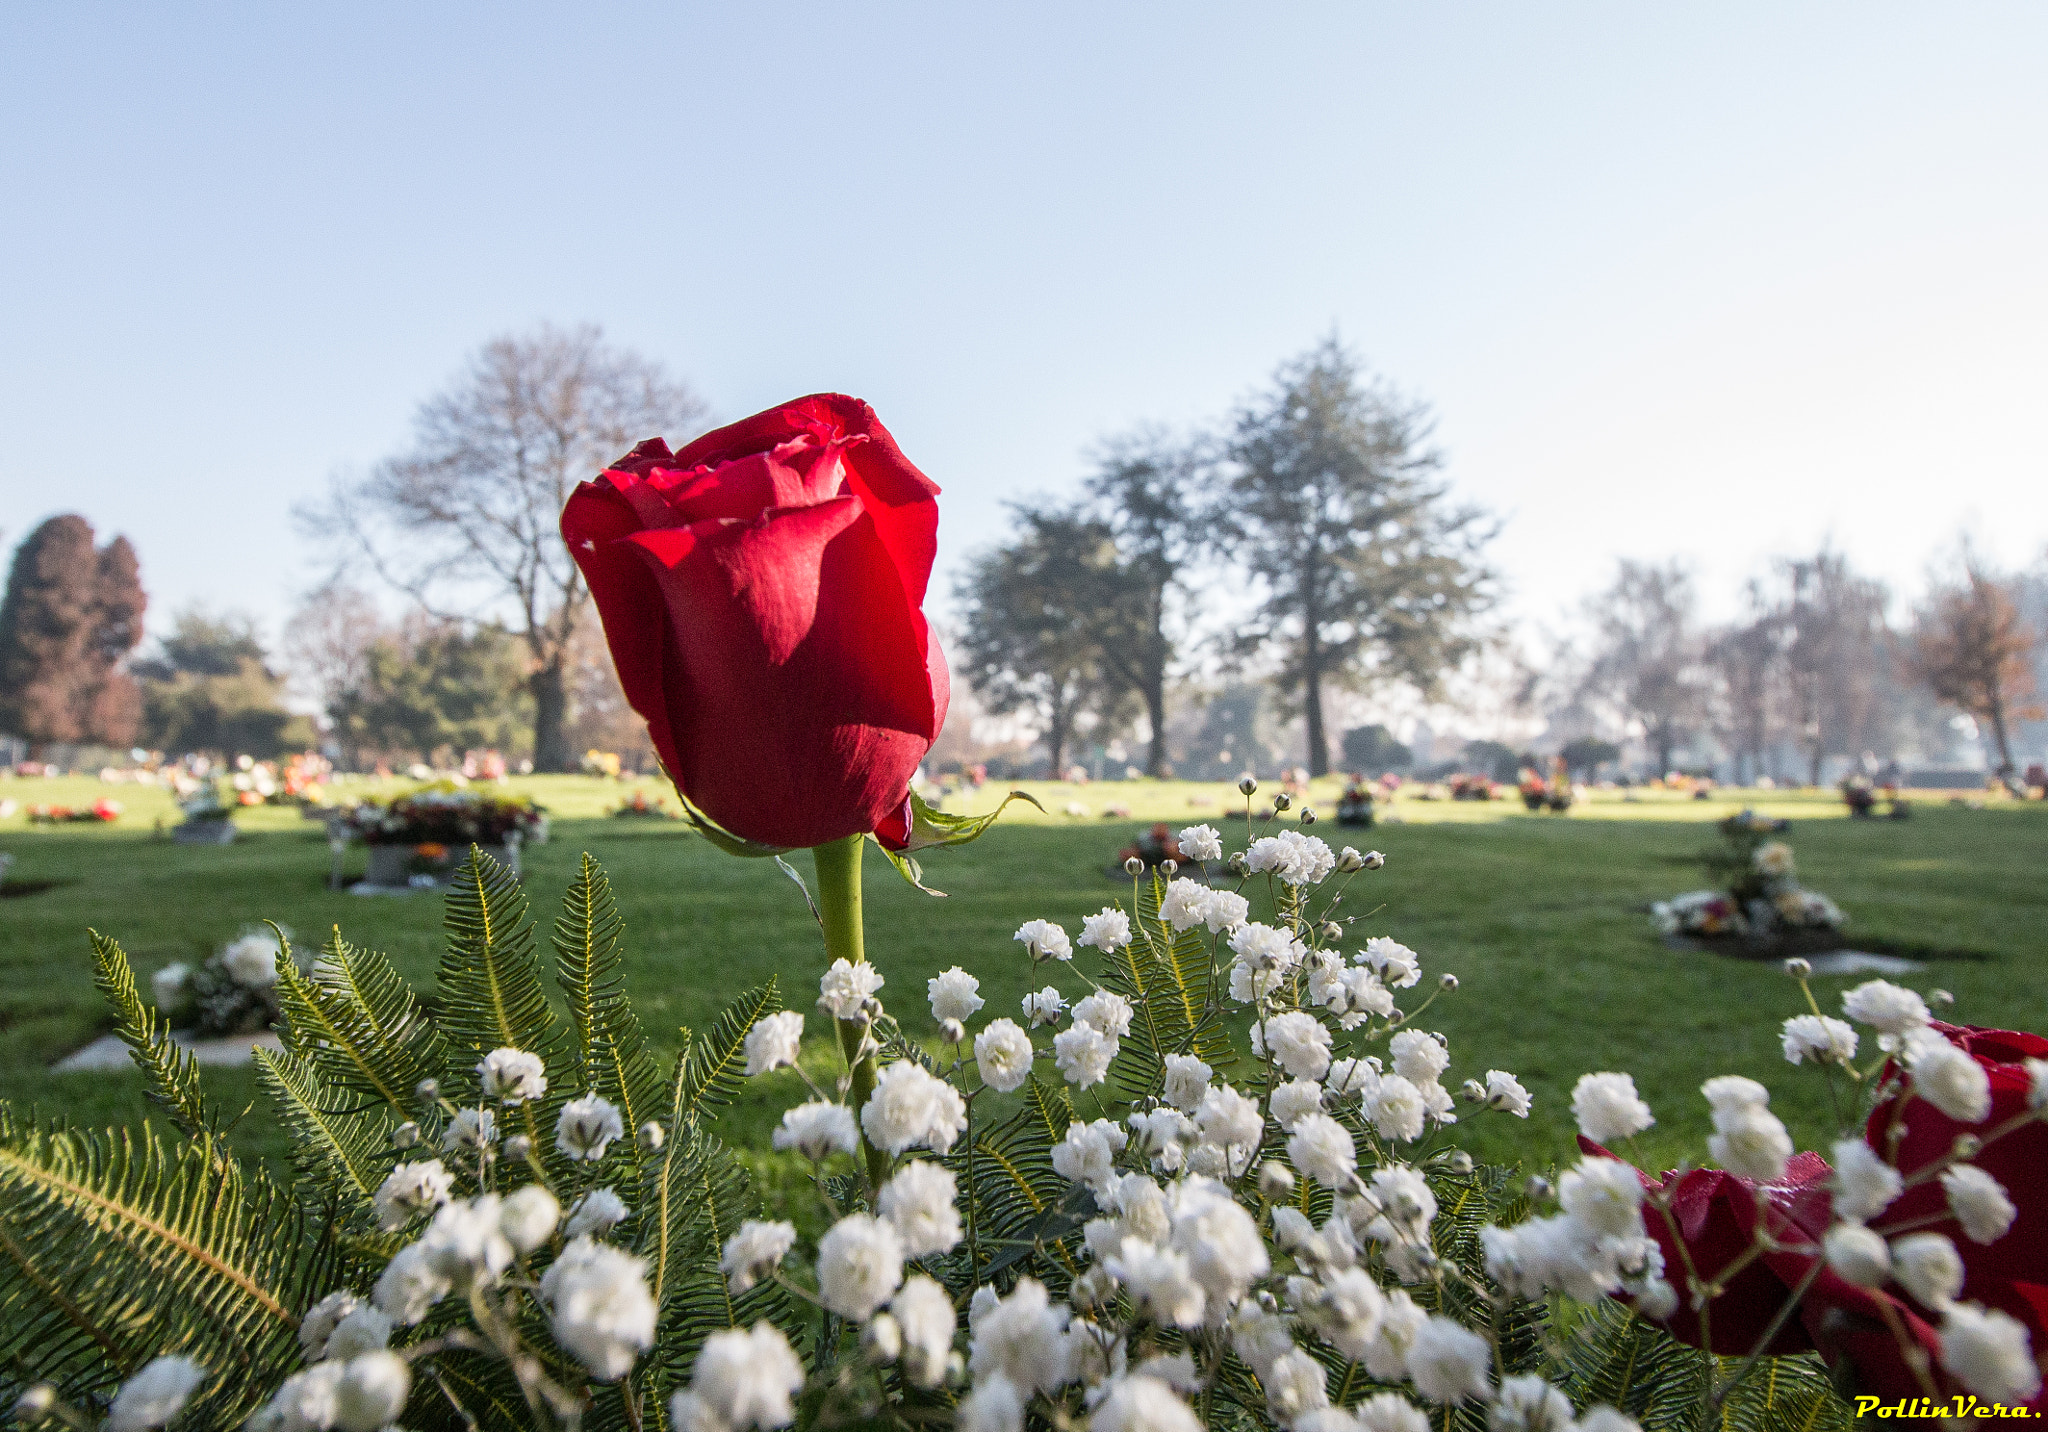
pixel 1083 1054
pixel 1044 1007
pixel 1108 930
pixel 754 1252
pixel 512 1076
pixel 1864 1184
pixel 409 1190
pixel 1187 1080
pixel 472 1129
pixel 597 1213
pixel 1979 1203
pixel 1107 1011
pixel 1987 1352
pixel 741 1380
pixel 845 988
pixel 1607 1108
pixel 909 1107
pixel 954 994
pixel 1002 1052
pixel 1397 966
pixel 1201 842
pixel 1928 1266
pixel 918 1201
pixel 155 1394
pixel 774 1041
pixel 817 1130
pixel 1820 1038
pixel 587 1126
pixel 1044 941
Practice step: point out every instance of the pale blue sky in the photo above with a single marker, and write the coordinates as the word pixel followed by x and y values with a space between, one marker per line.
pixel 1716 280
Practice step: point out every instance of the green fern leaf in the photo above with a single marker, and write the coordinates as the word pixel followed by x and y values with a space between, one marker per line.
pixel 115 1248
pixel 338 1144
pixel 612 1053
pixel 492 997
pixel 715 1063
pixel 354 1020
pixel 171 1076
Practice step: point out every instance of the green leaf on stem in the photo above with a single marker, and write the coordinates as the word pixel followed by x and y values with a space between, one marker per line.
pixel 930 826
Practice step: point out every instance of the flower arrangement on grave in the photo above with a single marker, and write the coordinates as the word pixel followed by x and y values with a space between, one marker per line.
pixel 642 806
pixel 232 991
pixel 1151 848
pixel 103 811
pixel 446 814
pixel 1469 787
pixel 602 764
pixel 1760 897
pixel 204 805
pixel 1206 1176
pixel 1355 808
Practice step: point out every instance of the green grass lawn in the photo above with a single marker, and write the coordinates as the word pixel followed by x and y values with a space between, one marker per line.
pixel 1540 917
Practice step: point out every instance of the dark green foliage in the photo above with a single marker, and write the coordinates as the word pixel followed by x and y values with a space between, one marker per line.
pixel 117 1247
pixel 1374 750
pixel 211 688
pixel 1169 981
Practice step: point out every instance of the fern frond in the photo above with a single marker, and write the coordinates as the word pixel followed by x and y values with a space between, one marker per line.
pixel 1021 1205
pixel 615 1060
pixel 118 1248
pixel 338 1143
pixel 715 1063
pixel 492 997
pixel 170 1075
pixel 1168 981
pixel 356 1022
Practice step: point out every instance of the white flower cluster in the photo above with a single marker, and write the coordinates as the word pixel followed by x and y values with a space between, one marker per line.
pixel 1193 1192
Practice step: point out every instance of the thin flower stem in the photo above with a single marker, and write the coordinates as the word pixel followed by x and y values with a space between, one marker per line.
pixel 839 906
pixel 1778 1320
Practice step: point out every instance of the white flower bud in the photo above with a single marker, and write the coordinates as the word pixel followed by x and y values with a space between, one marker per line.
pixel 1536 1188
pixel 651 1137
pixel 1276 1181
pixel 1308 816
pixel 1374 860
pixel 36 1402
pixel 518 1147
pixel 1282 801
pixel 1169 868
pixel 1461 1162
pixel 1799 969
pixel 1246 784
pixel 952 1031
pixel 882 1339
pixel 1448 981
pixel 1857 1255
pixel 427 1090
pixel 1134 866
pixel 405 1135
pixel 1237 863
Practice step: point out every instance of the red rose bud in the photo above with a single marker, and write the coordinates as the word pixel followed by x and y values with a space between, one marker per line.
pixel 762 592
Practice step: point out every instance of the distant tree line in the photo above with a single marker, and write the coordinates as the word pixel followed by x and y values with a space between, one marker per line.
pixel 1813 665
pixel 1306 537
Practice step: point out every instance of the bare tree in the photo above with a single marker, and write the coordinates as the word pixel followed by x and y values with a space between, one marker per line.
pixel 469 514
pixel 1747 658
pixel 1368 571
pixel 1972 649
pixel 1647 658
pixel 328 638
pixel 1836 646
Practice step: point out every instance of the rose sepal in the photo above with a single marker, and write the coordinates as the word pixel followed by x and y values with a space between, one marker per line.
pixel 929 826
pixel 724 839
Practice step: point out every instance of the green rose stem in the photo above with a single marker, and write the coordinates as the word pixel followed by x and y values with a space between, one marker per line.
pixel 838 865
